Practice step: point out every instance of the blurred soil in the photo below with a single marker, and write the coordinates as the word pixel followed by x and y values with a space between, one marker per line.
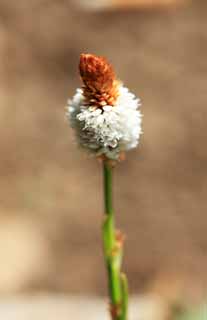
pixel 67 307
pixel 50 199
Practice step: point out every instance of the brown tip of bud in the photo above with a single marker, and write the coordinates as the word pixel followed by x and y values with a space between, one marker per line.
pixel 100 85
pixel 96 72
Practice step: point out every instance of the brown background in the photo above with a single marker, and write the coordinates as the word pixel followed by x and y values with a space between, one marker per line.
pixel 50 192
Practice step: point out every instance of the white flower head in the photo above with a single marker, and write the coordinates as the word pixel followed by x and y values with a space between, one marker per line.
pixel 104 113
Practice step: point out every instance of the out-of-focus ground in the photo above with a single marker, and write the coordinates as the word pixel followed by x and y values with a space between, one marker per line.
pixel 64 308
pixel 50 192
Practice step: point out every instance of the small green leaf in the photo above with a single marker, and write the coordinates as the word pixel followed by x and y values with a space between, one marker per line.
pixel 125 294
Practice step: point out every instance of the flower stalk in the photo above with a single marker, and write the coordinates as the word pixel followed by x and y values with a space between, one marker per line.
pixel 113 251
pixel 106 119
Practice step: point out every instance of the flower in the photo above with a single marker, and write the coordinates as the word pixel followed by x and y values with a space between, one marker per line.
pixel 103 112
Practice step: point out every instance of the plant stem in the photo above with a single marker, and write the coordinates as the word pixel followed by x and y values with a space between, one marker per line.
pixel 117 283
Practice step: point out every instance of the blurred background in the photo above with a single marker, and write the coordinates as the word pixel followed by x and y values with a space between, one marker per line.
pixel 50 191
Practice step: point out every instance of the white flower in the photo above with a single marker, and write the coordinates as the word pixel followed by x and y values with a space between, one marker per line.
pixel 107 130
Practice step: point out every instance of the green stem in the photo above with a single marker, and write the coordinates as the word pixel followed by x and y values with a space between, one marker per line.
pixel 113 252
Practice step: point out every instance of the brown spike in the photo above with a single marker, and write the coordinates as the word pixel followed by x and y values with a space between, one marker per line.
pixel 100 84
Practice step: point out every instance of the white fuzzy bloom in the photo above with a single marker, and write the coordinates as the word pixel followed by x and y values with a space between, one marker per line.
pixel 107 130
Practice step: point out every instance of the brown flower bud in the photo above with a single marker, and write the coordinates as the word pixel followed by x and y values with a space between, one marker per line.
pixel 99 82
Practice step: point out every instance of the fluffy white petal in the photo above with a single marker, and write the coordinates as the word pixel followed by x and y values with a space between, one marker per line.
pixel 108 130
